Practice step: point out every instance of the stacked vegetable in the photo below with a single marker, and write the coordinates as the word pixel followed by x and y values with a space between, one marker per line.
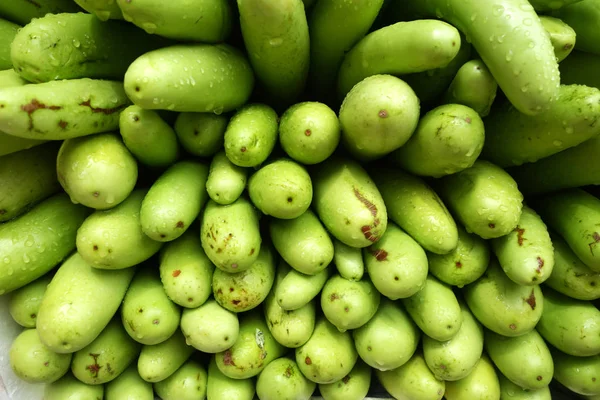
pixel 209 199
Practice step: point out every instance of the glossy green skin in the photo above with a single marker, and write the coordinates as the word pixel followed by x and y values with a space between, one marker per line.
pixel 447 140
pixel 454 359
pixel 503 306
pixel 74 107
pixel 22 11
pixel 348 202
pixel 387 262
pixel 230 234
pixel 417 209
pixel 483 198
pixel 334 29
pixel 374 54
pixel 282 380
pixel 27 176
pixel 549 5
pixel 574 167
pixel 254 349
pixel 389 339
pixel 482 383
pixel 242 291
pixel 281 189
pixel 181 23
pixel 37 241
pixel 11 144
pixel 210 328
pixel 149 138
pixel 91 296
pixel 435 309
pixel 187 383
pixel 24 303
pixel 149 85
pixel 584 18
pixel 572 326
pixel 463 265
pixel 574 214
pixel 354 386
pixel 220 386
pixel 276 37
pixel 70 388
pixel 328 356
pixel 147 314
pixel 97 171
pixel 102 9
pixel 512 138
pixel 378 115
pixel 512 24
pixel 525 359
pixel 8 31
pixel 526 254
pixel 578 374
pixel 413 380
pixel 101 237
pixel 185 271
pixel 562 36
pixel 510 391
pixel 77 45
pixel 174 200
pixel 430 85
pixel 158 362
pixel 290 328
pixel 129 385
pixel 201 133
pixel 302 242
pixel 107 356
pixel 348 261
pixel 33 362
pixel 473 74
pixel 226 181
pixel 309 132
pixel 349 304
pixel 295 289
pixel 251 135
pixel 580 68
pixel 570 276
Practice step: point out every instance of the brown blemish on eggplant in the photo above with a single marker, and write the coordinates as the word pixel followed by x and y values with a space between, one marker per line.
pixel 383 114
pixel 540 262
pixel 379 254
pixel 520 238
pixel 346 379
pixel 180 224
pixel 63 124
pixel 35 105
pixel 334 297
pixel 94 368
pixel 307 360
pixel 531 300
pixel 176 273
pixel 105 111
pixel 596 238
pixel 227 359
pixel 308 132
pixel 458 264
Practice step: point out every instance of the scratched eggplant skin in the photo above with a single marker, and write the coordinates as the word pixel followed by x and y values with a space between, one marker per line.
pixel 34 362
pixel 254 349
pixel 348 202
pixel 502 306
pixel 107 356
pixel 526 254
pixel 387 264
pixel 65 109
